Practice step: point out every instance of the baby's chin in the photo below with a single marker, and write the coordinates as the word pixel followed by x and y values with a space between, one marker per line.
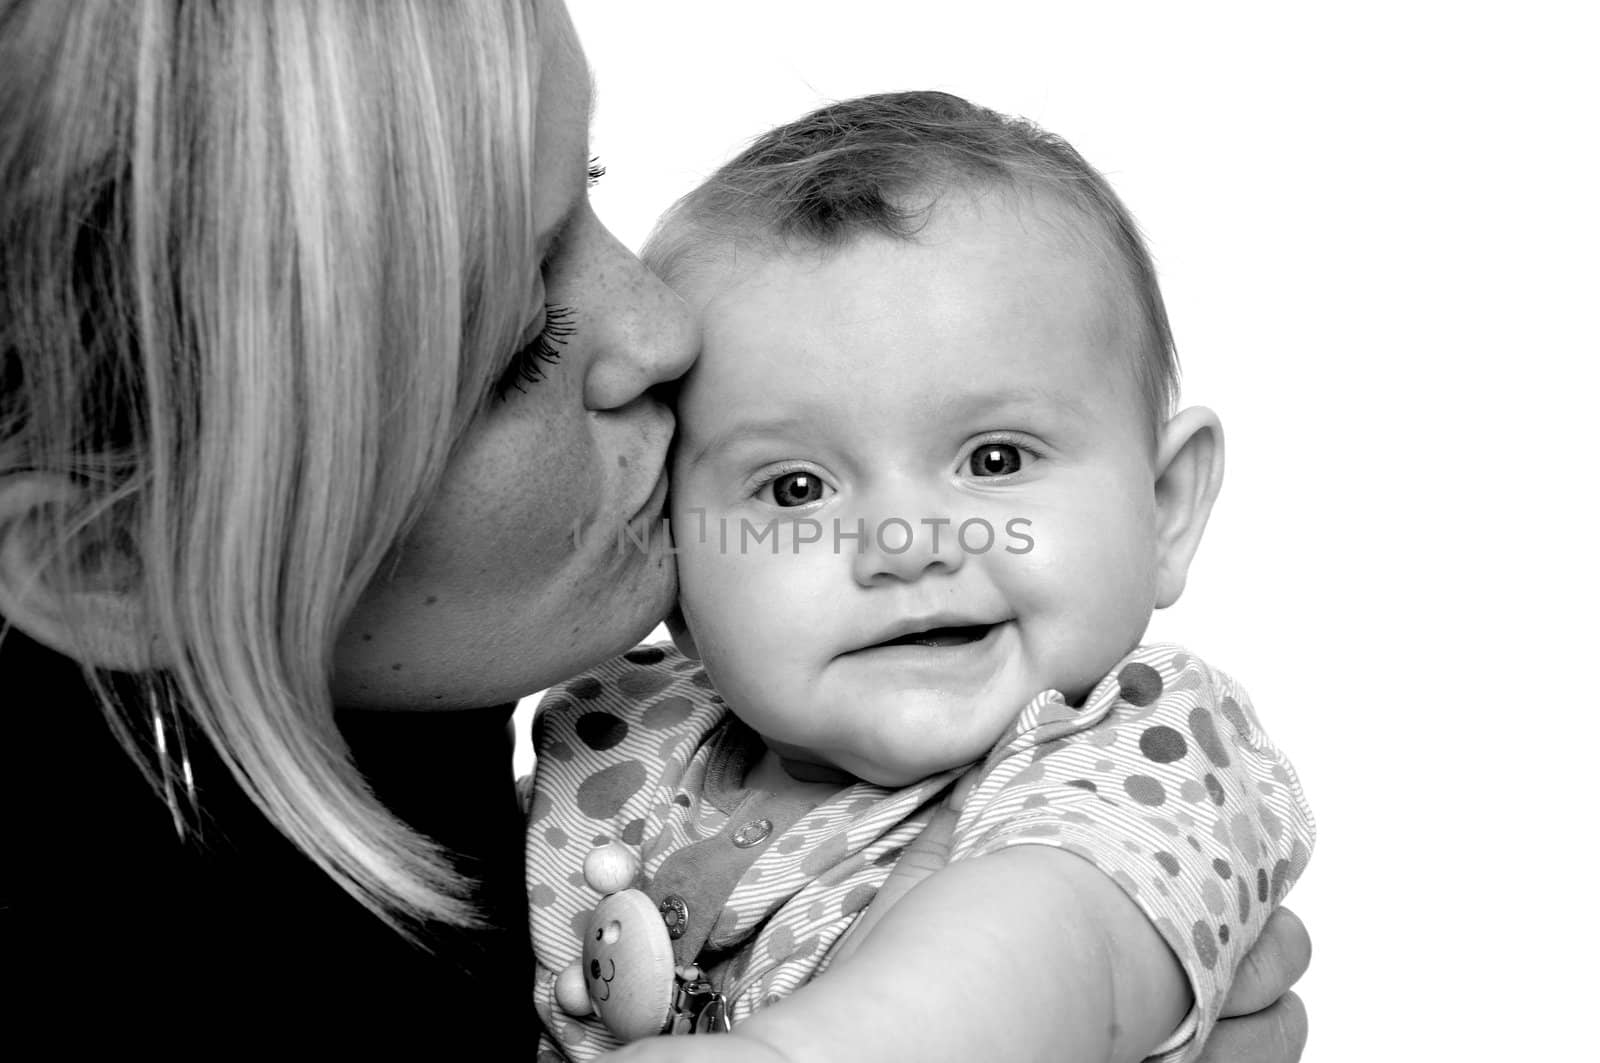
pixel 894 773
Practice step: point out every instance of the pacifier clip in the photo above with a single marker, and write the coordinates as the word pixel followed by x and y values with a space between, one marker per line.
pixel 641 971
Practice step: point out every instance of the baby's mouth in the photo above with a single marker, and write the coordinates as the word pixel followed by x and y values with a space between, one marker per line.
pixel 940 637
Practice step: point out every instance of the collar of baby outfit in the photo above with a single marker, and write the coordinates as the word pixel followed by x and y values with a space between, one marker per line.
pixel 692 886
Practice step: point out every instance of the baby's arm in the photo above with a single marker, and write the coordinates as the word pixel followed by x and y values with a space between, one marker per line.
pixel 1027 953
pixel 1024 947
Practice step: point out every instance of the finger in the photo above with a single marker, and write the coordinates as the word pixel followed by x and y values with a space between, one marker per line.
pixel 1274 964
pixel 1276 1034
pixel 927 854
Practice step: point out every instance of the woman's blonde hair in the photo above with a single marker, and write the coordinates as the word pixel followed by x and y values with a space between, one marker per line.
pixel 259 261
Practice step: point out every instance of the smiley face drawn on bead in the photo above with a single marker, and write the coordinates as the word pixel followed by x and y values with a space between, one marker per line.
pixel 627 965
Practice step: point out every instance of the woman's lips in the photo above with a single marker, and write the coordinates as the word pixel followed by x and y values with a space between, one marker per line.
pixel 660 446
pixel 656 503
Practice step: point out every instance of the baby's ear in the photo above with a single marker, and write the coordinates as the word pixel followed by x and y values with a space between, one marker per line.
pixel 83 599
pixel 1188 477
pixel 678 628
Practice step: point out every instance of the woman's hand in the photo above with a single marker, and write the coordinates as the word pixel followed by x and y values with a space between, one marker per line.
pixel 1262 1021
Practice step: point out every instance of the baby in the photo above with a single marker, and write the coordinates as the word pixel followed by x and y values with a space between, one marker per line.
pixel 927 491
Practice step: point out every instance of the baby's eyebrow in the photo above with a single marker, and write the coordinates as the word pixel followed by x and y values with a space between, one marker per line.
pixel 745 430
pixel 998 402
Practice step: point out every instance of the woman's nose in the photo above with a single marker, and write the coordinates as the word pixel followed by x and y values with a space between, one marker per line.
pixel 646 336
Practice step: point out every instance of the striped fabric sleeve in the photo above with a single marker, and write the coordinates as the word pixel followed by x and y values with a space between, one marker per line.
pixel 1165 780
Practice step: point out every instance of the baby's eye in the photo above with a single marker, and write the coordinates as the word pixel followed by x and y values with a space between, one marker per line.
pixel 995 459
pixel 796 489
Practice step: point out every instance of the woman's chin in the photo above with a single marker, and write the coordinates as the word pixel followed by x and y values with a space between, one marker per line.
pixel 636 612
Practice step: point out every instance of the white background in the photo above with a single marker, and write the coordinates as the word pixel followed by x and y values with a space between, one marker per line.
pixel 1376 230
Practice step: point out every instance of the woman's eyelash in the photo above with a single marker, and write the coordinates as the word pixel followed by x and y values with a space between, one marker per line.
pixel 527 365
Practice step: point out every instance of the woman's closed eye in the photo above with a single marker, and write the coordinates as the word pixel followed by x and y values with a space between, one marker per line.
pixel 527 364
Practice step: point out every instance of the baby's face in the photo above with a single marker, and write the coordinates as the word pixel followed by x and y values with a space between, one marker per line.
pixel 963 403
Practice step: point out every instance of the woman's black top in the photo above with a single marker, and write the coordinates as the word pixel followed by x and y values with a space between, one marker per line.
pixel 112 931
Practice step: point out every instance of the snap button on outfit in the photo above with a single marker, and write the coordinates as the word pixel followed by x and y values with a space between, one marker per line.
pixel 753 833
pixel 675 913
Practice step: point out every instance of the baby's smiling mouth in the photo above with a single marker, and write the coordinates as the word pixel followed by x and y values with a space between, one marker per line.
pixel 938 637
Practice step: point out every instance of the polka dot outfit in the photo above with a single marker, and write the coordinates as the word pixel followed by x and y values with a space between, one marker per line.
pixel 1163 779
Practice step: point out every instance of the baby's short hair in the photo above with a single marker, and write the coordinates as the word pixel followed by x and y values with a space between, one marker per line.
pixel 876 164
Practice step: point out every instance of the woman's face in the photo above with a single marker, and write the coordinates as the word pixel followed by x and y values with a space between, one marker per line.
pixel 514 579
